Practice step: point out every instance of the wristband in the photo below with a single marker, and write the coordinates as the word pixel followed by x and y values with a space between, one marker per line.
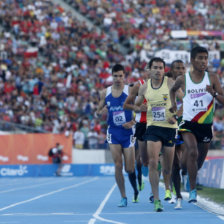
pixel 215 94
pixel 175 117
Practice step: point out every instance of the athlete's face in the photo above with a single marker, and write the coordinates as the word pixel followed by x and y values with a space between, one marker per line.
pixel 200 63
pixel 178 69
pixel 118 77
pixel 157 70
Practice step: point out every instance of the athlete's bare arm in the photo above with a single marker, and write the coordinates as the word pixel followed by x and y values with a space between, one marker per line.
pixel 130 100
pixel 101 103
pixel 215 88
pixel 179 83
pixel 179 94
pixel 140 99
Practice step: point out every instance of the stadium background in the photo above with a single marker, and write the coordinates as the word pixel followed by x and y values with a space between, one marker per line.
pixel 56 56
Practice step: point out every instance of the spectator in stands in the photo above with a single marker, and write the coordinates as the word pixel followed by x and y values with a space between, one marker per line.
pixel 92 139
pixel 216 63
pixel 79 139
pixel 218 128
pixel 101 140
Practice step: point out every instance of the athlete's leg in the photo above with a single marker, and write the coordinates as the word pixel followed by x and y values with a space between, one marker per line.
pixel 138 166
pixel 153 149
pixel 191 151
pixel 129 157
pixel 168 155
pixel 176 170
pixel 116 151
pixel 142 145
pixel 202 153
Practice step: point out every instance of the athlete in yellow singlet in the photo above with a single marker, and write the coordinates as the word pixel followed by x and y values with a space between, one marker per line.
pixel 161 125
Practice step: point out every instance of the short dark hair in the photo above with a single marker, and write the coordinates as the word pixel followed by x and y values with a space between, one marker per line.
pixel 176 61
pixel 156 59
pixel 117 68
pixel 197 50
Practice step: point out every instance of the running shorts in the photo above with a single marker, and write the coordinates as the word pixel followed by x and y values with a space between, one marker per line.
pixel 140 131
pixel 163 134
pixel 123 137
pixel 202 132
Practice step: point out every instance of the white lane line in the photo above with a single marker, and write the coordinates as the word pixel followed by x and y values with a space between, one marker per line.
pixel 221 217
pixel 99 210
pixel 33 186
pixel 20 183
pixel 47 194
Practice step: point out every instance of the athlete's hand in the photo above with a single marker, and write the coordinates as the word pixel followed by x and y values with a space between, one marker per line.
pixel 172 120
pixel 210 90
pixel 143 107
pixel 137 109
pixel 128 125
pixel 97 114
pixel 173 108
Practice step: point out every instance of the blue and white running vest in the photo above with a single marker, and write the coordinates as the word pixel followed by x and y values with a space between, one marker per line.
pixel 116 114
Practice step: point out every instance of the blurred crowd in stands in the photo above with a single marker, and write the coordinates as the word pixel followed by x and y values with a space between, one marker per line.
pixel 147 23
pixel 52 66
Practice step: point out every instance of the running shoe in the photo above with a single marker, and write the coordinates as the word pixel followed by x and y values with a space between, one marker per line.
pixel 179 203
pixel 193 196
pixel 135 198
pixel 151 198
pixel 158 206
pixel 167 195
pixel 123 203
pixel 141 187
pixel 145 171
pixel 173 199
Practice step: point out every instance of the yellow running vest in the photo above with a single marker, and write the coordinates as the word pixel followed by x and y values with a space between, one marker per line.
pixel 158 104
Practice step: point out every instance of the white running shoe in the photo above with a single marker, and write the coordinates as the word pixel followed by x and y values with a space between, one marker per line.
pixel 179 204
pixel 173 199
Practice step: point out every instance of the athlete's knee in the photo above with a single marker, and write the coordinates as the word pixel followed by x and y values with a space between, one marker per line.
pixel 153 164
pixel 129 170
pixel 193 154
pixel 118 166
pixel 145 162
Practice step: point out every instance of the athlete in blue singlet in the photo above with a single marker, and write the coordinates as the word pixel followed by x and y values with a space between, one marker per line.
pixel 120 132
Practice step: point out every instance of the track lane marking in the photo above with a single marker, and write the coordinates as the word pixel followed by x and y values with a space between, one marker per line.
pixel 96 215
pixel 47 194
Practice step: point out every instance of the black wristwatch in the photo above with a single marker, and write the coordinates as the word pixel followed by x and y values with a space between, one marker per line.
pixel 215 94
pixel 176 117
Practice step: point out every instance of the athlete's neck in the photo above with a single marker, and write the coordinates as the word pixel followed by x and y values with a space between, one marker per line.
pixel 118 86
pixel 156 83
pixel 197 75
